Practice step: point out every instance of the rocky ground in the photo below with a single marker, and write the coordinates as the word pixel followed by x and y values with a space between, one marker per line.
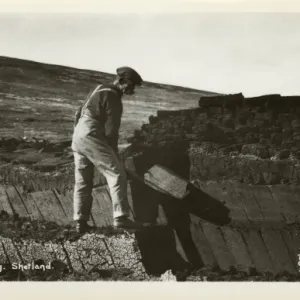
pixel 40 231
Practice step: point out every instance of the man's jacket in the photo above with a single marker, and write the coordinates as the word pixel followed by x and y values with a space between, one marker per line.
pixel 100 115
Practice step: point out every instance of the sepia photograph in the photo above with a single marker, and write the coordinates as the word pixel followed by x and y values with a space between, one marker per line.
pixel 149 146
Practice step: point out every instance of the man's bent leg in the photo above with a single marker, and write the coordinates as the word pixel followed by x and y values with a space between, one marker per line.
pixel 117 183
pixel 84 174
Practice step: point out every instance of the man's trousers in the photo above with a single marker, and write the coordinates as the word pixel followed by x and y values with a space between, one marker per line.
pixel 90 152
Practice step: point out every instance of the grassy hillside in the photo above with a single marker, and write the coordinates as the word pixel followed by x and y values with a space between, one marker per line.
pixel 40 100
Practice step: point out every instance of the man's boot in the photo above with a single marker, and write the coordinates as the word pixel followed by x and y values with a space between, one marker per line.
pixel 82 226
pixel 126 223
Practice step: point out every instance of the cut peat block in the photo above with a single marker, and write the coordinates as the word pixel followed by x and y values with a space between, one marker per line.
pixel 166 181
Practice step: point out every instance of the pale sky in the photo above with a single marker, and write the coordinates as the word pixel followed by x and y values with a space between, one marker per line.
pixel 252 53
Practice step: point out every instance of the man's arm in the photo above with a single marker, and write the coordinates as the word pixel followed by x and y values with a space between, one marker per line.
pixel 113 111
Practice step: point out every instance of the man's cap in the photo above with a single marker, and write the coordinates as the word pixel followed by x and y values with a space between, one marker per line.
pixel 130 74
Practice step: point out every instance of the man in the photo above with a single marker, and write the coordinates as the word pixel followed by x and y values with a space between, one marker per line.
pixel 95 143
